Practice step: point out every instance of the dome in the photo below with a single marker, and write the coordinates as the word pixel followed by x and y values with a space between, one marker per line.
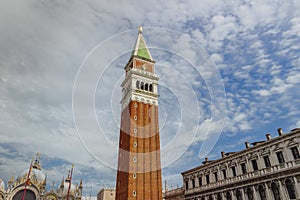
pixel 36 175
pixel 66 187
pixel 66 183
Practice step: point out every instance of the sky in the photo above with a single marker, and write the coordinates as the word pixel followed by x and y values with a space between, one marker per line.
pixel 229 73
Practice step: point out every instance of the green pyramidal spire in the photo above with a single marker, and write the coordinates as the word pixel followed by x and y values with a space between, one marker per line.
pixel 140 47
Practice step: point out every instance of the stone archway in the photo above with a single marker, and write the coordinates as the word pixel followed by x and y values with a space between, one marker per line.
pixel 29 195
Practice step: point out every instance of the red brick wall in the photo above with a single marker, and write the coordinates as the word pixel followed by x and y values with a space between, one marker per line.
pixel 147 183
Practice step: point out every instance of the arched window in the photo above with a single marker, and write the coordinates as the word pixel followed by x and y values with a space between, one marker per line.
pixel 250 193
pixel 228 196
pixel 146 86
pixel 137 84
pixel 29 195
pixel 238 195
pixel 210 198
pixel 262 192
pixel 290 188
pixel 150 88
pixel 275 191
pixel 219 197
pixel 142 85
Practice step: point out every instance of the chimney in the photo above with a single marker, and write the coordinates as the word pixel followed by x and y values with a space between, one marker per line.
pixel 247 145
pixel 206 159
pixel 280 133
pixel 268 136
pixel 223 154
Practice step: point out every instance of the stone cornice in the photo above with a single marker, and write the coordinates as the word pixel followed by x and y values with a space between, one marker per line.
pixel 236 155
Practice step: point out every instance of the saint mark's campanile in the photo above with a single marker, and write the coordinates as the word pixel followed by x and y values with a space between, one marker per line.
pixel 139 166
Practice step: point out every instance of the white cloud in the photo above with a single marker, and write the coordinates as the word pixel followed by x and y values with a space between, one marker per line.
pixel 294 78
pixel 262 92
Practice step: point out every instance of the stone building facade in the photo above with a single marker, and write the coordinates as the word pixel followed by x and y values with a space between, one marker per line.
pixel 265 170
pixel 106 194
pixel 174 194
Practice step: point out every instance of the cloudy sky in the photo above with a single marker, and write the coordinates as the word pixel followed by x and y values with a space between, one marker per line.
pixel 229 73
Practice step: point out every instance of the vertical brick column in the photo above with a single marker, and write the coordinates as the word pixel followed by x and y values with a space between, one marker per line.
pixel 140 147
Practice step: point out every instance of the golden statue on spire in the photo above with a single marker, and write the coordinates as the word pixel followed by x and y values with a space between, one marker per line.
pixel 37 164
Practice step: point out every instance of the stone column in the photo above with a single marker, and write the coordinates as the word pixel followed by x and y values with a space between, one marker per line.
pixel 214 196
pixel 222 195
pixel 273 159
pixel 260 163
pixel 232 195
pixel 286 155
pixel 297 186
pixel 269 192
pixel 243 193
pixel 282 189
pixel 255 195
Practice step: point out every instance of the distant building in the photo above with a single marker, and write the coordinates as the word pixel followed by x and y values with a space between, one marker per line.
pixel 266 170
pixel 36 186
pixel 89 198
pixel 174 194
pixel 107 194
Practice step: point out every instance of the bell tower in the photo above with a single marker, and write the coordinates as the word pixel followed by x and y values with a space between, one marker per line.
pixel 139 166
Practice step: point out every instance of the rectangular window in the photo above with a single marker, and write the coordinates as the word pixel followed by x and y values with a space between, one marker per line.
pixel 295 153
pixel 186 185
pixel 193 183
pixel 200 180
pixel 267 161
pixel 224 173
pixel 216 176
pixel 280 157
pixel 254 165
pixel 244 169
pixel 207 179
pixel 233 171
